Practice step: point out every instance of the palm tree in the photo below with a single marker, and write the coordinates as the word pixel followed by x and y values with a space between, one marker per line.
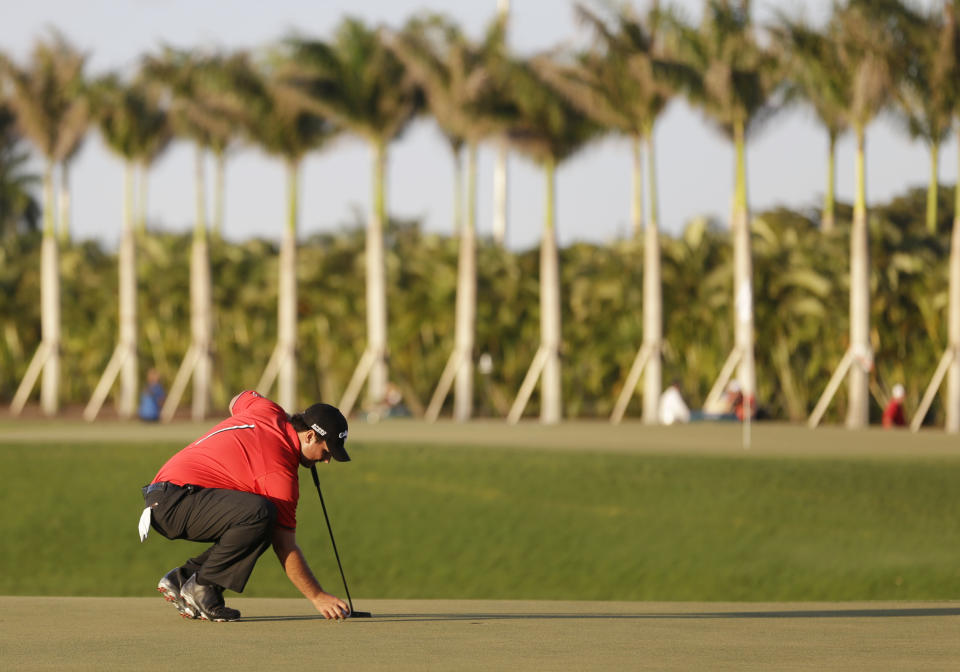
pixel 134 128
pixel 928 90
pixel 224 78
pixel 47 99
pixel 280 122
pixel 155 142
pixel 69 64
pixel 625 85
pixel 195 115
pixel 739 77
pixel 949 55
pixel 866 48
pixel 548 130
pixel 68 152
pixel 816 75
pixel 459 79
pixel 358 83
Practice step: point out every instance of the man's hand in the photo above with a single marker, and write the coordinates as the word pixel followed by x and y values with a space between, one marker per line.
pixel 297 570
pixel 331 606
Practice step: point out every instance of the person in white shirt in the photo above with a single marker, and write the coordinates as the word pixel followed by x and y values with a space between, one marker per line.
pixel 673 408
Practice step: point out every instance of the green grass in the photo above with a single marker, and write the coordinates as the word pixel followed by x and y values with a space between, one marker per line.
pixel 420 521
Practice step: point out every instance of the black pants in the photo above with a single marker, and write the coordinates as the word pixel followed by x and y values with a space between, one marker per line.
pixel 240 525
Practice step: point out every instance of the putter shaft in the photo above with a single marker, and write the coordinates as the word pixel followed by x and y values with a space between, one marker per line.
pixel 316 482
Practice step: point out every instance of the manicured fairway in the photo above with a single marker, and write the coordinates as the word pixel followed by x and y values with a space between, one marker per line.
pixel 146 634
pixel 580 511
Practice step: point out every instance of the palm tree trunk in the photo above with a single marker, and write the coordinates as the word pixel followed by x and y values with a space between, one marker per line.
pixel 127 278
pixel 933 187
pixel 124 361
pixel 828 220
pixel 201 313
pixel 466 308
pixel 500 170
pixel 141 207
pixel 376 281
pixel 743 271
pixel 63 201
pixel 48 354
pixel 500 202
pixel 953 324
pixel 858 411
pixel 457 189
pixel 197 362
pixel 287 298
pixel 219 189
pixel 50 301
pixel 551 399
pixel 636 202
pixel 652 300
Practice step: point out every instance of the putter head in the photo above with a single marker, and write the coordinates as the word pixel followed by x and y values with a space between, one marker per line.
pixel 361 614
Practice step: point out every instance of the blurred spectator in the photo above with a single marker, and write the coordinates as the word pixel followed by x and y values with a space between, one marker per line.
pixel 152 398
pixel 672 406
pixel 391 406
pixel 742 403
pixel 730 406
pixel 726 407
pixel 893 413
pixel 395 406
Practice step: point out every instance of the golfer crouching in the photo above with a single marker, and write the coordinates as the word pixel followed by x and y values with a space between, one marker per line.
pixel 237 486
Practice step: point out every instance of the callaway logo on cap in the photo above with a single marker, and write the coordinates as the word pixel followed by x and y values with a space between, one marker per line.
pixel 322 432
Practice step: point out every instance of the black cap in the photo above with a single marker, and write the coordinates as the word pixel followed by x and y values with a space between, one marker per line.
pixel 330 425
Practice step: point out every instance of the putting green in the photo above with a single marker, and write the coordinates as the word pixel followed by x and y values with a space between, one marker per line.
pixel 90 633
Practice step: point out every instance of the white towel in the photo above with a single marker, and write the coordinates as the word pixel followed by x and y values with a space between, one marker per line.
pixel 144 525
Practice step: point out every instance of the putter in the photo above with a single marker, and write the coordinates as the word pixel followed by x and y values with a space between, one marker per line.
pixel 353 612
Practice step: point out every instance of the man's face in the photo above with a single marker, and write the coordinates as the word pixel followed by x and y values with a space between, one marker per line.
pixel 313 451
